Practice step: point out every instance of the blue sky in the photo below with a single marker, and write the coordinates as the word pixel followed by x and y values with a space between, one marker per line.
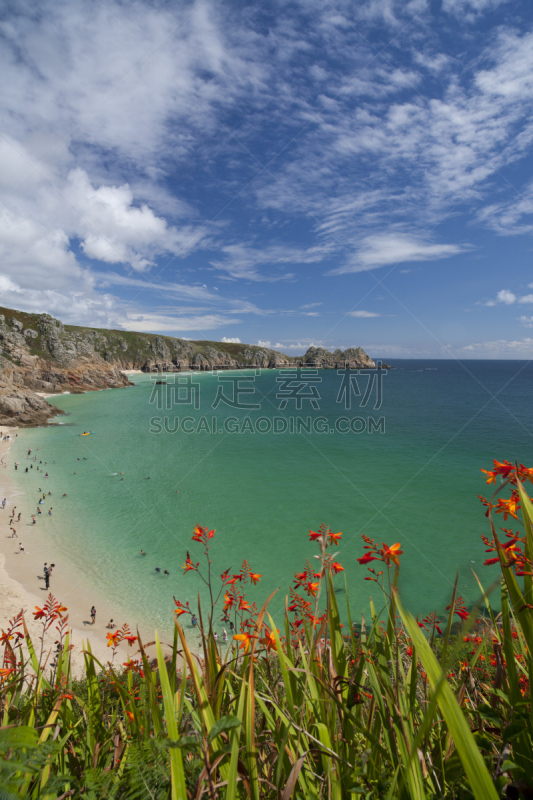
pixel 331 173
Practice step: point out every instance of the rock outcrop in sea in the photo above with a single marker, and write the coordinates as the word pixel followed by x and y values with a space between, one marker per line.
pixel 40 354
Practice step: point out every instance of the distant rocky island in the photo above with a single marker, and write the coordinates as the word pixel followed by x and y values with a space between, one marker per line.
pixel 40 354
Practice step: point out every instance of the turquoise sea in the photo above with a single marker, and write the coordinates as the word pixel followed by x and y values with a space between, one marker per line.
pixel 415 483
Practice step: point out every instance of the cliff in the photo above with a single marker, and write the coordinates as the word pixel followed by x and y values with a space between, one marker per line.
pixel 40 354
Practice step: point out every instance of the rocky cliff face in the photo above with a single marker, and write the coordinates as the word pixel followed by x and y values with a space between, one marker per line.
pixel 40 354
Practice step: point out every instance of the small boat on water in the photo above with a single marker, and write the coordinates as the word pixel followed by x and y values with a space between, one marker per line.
pixel 86 433
pixel 160 383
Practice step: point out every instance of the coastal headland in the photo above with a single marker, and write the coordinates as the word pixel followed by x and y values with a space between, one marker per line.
pixel 40 356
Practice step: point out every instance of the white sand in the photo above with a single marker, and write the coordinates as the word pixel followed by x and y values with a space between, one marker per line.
pixel 22 583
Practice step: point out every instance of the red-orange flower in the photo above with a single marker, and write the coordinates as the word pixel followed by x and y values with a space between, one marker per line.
pixel 39 613
pixel 268 639
pixel 255 577
pixel 367 558
pixel 334 538
pixel 313 536
pixel 131 716
pixel 392 553
pixel 188 565
pixel 130 640
pixel 336 567
pixel 202 535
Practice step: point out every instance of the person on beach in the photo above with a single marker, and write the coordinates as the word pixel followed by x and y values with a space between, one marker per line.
pixel 14 533
pixel 193 621
pixel 215 637
pixel 4 501
pixel 19 516
pixel 21 549
pixel 46 580
pixel 225 634
pixel 93 615
pixel 33 520
pixel 111 624
pixel 39 511
pixel 49 512
pixel 231 626
pixel 14 511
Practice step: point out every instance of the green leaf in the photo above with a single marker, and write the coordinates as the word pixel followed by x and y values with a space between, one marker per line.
pixel 221 725
pixel 471 759
pixel 179 791
pixel 22 736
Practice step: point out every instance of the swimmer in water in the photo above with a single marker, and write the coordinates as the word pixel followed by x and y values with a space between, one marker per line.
pixel 166 572
pixel 158 569
pixel 143 553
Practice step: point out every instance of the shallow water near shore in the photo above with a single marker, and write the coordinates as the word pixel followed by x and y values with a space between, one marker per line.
pixel 416 483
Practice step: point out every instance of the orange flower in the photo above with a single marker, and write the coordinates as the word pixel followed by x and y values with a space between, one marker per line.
pixel 334 537
pixel 130 640
pixel 131 716
pixel 114 639
pixel 509 507
pixel 336 567
pixel 39 613
pixel 244 640
pixel 392 553
pixel 179 611
pixel 255 577
pixel 66 697
pixel 244 605
pixel 313 537
pixel 311 588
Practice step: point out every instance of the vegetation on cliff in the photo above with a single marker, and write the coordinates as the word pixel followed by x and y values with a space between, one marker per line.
pixel 400 707
pixel 40 354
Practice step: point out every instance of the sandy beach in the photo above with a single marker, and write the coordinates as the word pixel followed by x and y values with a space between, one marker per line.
pixel 21 573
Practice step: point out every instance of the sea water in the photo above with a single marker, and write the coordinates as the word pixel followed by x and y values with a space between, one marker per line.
pixel 163 458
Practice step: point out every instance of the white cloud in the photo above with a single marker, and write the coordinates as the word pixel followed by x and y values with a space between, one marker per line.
pixel 393 248
pixel 462 8
pixel 242 260
pixel 167 323
pixel 311 305
pixel 264 344
pixel 363 314
pixel 504 347
pixel 505 296
pixel 231 340
pixel 509 298
pixel 526 321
